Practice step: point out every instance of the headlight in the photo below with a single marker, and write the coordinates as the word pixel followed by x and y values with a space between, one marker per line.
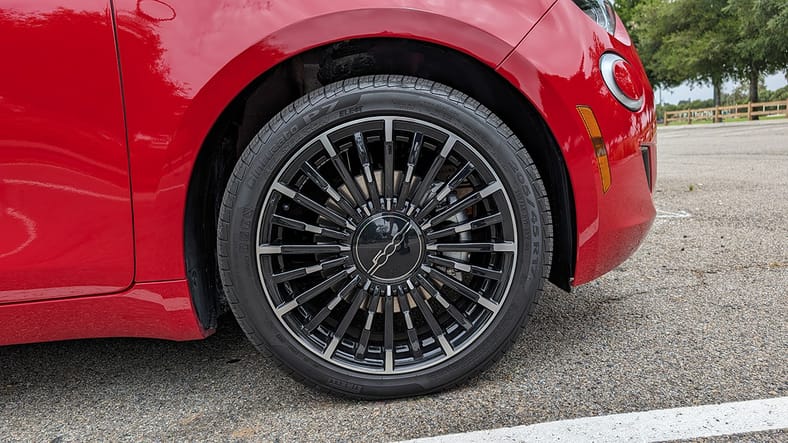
pixel 601 11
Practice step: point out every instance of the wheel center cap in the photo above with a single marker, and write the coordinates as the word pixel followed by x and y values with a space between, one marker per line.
pixel 388 247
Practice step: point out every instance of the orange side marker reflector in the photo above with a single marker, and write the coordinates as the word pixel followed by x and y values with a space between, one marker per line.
pixel 599 144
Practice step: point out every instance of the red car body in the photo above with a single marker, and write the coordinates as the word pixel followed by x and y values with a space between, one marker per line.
pixel 105 106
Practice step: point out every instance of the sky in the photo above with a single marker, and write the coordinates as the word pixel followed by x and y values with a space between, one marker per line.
pixel 698 92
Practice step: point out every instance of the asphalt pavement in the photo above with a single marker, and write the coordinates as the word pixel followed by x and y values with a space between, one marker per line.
pixel 697 316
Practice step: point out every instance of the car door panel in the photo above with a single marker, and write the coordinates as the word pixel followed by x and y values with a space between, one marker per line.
pixel 65 208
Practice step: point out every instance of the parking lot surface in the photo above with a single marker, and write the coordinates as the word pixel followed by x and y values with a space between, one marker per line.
pixel 697 316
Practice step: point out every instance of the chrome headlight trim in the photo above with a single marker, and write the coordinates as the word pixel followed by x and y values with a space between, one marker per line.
pixel 607 65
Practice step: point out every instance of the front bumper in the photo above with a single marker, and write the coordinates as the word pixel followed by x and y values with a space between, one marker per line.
pixel 556 67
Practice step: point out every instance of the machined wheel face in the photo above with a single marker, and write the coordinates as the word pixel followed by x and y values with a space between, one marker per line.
pixel 384 236
pixel 386 244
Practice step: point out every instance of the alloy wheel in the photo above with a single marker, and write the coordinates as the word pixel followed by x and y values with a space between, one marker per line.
pixel 392 264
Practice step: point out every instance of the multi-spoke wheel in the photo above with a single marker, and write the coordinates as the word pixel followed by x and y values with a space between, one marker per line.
pixel 386 237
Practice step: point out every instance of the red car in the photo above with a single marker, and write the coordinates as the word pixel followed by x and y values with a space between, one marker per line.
pixel 378 190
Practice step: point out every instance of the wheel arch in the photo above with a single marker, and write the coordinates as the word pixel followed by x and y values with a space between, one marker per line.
pixel 297 74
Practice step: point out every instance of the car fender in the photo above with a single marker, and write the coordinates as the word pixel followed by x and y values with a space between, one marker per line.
pixel 184 62
pixel 556 82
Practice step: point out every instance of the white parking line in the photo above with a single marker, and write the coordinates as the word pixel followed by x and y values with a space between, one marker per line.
pixel 672 214
pixel 658 425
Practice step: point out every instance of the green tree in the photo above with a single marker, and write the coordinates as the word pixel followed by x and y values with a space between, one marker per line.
pixel 761 43
pixel 626 10
pixel 780 94
pixel 687 40
pixel 707 41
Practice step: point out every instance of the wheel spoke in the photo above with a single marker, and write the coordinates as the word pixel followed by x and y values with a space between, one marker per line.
pixel 413 337
pixel 461 289
pixel 326 311
pixel 326 187
pixel 266 249
pixel 472 247
pixel 350 183
pixel 413 158
pixel 313 292
pixel 450 308
pixel 303 272
pixel 313 206
pixel 483 222
pixel 340 331
pixel 388 332
pixel 306 227
pixel 432 322
pixel 491 274
pixel 369 177
pixel 447 188
pixel 426 183
pixel 372 309
pixel 460 205
pixel 388 162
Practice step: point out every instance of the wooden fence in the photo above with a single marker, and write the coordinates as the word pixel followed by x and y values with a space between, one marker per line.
pixel 721 113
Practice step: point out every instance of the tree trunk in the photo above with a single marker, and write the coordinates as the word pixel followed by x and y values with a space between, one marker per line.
pixel 717 83
pixel 754 75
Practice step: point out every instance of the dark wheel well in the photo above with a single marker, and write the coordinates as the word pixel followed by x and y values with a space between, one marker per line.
pixel 288 81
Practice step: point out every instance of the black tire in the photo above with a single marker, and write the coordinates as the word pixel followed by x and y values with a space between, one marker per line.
pixel 389 362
